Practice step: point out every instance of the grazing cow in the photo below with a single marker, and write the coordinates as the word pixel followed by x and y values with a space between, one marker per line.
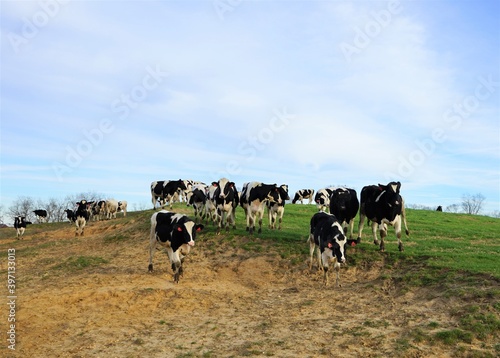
pixel 70 214
pixel 382 204
pixel 277 209
pixel 111 208
pixel 177 233
pixel 254 196
pixel 41 215
pixel 344 204
pixel 226 200
pixel 439 208
pixel 326 234
pixel 322 198
pixel 82 215
pixel 165 190
pixel 303 194
pixel 198 199
pixel 211 206
pixel 122 206
pixel 20 225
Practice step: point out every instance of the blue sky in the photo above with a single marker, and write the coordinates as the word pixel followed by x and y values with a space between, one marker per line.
pixel 108 96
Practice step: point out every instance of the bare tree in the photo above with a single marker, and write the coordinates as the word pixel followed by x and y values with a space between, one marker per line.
pixel 472 204
pixel 453 208
pixel 23 206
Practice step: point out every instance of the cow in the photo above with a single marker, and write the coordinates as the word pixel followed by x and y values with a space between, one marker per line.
pixel 276 210
pixel 226 201
pixel 177 233
pixel 344 204
pixel 322 198
pixel 327 236
pixel 98 210
pixel 122 207
pixel 165 190
pixel 70 214
pixel 20 225
pixel 439 208
pixel 382 205
pixel 254 196
pixel 41 215
pixel 303 194
pixel 82 215
pixel 198 199
pixel 111 208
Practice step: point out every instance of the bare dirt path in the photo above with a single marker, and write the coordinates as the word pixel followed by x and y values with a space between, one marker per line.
pixel 229 303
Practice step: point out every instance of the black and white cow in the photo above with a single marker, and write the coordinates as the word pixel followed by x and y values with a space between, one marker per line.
pixel 165 190
pixel 41 215
pixel 70 214
pixel 327 236
pixel 303 194
pixel 197 198
pixel 344 204
pixel 82 215
pixel 97 210
pixel 276 209
pixel 226 200
pixel 322 198
pixel 382 204
pixel 254 196
pixel 20 225
pixel 177 233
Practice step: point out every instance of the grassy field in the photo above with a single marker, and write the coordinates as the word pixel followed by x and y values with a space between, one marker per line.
pixel 449 257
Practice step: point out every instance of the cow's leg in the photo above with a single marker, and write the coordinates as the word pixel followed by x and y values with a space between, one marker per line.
pixel 176 264
pixel 280 219
pixel 336 267
pixel 233 217
pixel 374 232
pixel 325 257
pixel 152 248
pixel 397 229
pixel 360 226
pixel 383 234
pixel 250 220
pixel 260 214
pixel 248 217
pixel 312 246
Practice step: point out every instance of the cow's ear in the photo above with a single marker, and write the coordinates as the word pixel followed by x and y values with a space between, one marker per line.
pixel 199 227
pixel 178 228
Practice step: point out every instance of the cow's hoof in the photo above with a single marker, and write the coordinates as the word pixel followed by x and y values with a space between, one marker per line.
pixel 375 242
pixel 150 268
pixel 260 230
pixel 400 246
pixel 248 229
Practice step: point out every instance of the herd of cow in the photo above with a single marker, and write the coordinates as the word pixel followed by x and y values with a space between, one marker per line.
pixel 381 204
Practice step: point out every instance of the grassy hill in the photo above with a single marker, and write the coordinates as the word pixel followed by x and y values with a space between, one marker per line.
pixel 451 261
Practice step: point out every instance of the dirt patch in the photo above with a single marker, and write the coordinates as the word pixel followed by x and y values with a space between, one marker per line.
pixel 229 303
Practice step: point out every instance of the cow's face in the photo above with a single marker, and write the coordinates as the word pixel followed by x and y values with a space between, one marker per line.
pixel 283 189
pixel 341 198
pixel 225 186
pixel 392 197
pixel 336 242
pixel 274 196
pixel 187 232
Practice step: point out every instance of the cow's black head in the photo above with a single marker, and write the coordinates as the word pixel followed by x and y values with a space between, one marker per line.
pixel 391 194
